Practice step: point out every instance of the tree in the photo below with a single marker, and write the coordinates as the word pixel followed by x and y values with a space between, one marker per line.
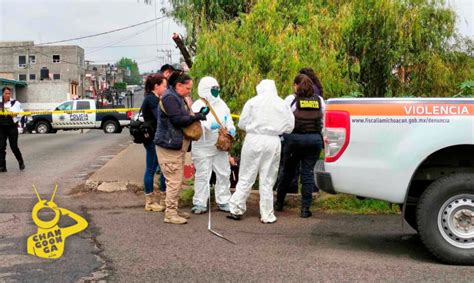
pixel 129 64
pixel 411 36
pixel 376 47
pixel 198 15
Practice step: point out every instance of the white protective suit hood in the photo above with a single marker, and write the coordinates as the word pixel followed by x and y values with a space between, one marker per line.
pixel 267 113
pixel 204 89
pixel 267 87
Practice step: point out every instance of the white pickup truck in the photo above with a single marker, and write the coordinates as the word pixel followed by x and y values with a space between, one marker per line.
pixel 68 116
pixel 418 153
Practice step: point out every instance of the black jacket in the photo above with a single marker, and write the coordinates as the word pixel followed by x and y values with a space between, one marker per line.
pixel 150 110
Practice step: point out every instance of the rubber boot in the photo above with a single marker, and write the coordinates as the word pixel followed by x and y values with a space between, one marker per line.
pixel 173 218
pixel 151 205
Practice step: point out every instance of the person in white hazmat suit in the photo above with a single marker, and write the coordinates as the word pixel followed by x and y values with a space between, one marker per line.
pixel 264 118
pixel 205 155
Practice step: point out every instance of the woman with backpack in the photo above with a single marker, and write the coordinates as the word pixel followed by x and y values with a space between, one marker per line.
pixel 155 87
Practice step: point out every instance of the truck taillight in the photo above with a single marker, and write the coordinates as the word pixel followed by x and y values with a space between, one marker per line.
pixel 337 130
pixel 129 115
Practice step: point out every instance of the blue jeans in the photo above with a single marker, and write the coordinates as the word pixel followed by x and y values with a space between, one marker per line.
pixel 304 149
pixel 151 166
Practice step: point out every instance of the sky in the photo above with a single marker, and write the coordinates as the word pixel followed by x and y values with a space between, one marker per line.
pixel 51 20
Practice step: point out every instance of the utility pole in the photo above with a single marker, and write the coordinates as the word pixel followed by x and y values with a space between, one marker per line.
pixel 167 55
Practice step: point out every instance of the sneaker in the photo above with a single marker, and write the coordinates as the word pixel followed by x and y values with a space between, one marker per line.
pixel 199 209
pixel 224 207
pixel 268 222
pixel 234 216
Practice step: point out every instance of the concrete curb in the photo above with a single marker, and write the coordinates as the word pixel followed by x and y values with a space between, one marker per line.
pixel 292 200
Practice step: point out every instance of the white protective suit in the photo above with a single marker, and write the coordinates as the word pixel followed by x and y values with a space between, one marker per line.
pixel 205 155
pixel 264 118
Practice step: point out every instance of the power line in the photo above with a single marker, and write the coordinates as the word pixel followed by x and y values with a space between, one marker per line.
pixel 123 39
pixel 88 36
pixel 132 45
pixel 120 40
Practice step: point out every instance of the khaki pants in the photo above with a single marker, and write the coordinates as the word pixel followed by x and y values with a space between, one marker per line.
pixel 172 166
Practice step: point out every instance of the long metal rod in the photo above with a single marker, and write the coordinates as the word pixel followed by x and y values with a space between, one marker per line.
pixel 209 227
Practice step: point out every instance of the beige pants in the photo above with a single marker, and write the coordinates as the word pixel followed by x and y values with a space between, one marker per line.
pixel 172 166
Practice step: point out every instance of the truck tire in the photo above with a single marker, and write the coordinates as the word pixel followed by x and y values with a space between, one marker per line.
pixel 445 218
pixel 42 127
pixel 110 126
pixel 119 130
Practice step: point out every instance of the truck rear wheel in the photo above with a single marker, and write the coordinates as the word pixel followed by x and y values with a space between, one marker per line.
pixel 110 126
pixel 42 127
pixel 445 218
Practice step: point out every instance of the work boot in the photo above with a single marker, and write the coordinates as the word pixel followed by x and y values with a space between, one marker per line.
pixel 174 218
pixel 163 199
pixel 183 214
pixel 305 212
pixel 151 205
pixel 22 165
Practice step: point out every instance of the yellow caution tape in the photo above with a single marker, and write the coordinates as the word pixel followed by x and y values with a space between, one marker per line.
pixel 29 113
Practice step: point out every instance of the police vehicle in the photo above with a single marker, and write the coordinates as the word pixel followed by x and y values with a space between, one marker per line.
pixel 107 119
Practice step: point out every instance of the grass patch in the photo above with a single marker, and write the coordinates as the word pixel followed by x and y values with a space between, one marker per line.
pixel 187 197
pixel 351 205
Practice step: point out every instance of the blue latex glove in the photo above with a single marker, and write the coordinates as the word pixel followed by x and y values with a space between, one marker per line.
pixel 232 132
pixel 215 125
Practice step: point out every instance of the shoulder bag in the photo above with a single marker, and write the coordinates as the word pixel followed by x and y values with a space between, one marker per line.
pixel 224 140
pixel 191 132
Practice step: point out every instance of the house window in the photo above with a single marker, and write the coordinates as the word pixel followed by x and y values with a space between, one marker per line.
pixel 32 59
pixel 32 77
pixel 22 61
pixel 56 59
pixel 22 77
pixel 56 76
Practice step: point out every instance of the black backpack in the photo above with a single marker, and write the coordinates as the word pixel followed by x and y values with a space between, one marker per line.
pixel 141 132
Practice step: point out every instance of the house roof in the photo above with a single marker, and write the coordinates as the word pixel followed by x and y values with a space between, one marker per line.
pixel 12 82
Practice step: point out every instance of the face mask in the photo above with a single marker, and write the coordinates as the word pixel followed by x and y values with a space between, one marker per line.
pixel 215 91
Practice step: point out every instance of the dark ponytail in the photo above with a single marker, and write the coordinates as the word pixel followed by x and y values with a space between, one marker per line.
pixel 304 86
pixel 315 80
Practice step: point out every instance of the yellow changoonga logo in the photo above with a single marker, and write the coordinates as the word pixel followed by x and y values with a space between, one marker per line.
pixel 48 242
pixel 309 104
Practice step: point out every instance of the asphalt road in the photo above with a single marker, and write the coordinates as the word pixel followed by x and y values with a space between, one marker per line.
pixel 67 159
pixel 138 246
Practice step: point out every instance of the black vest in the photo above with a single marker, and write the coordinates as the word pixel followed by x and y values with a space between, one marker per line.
pixel 308 115
pixel 6 120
